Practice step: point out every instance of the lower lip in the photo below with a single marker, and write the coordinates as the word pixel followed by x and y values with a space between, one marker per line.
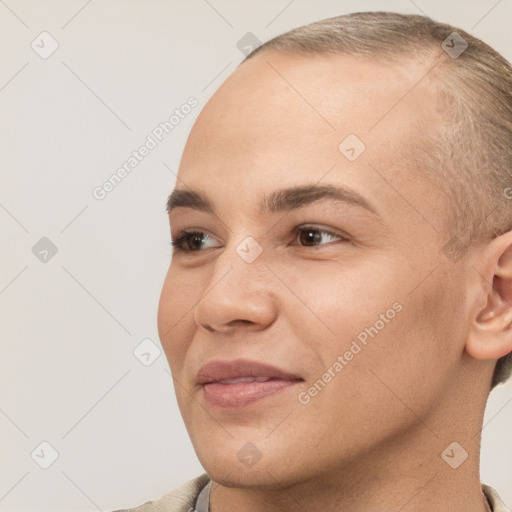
pixel 240 394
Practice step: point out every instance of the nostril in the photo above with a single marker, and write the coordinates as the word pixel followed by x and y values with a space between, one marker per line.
pixel 241 321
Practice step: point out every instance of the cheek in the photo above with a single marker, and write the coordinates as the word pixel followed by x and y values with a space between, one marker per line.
pixel 417 354
pixel 176 317
pixel 408 335
pixel 338 301
pixel 404 365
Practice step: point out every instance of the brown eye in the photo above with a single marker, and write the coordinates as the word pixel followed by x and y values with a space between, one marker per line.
pixel 190 241
pixel 312 236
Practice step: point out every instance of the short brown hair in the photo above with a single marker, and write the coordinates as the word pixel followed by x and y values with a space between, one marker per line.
pixel 472 152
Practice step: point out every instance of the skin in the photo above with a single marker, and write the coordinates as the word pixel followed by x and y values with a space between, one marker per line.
pixel 372 438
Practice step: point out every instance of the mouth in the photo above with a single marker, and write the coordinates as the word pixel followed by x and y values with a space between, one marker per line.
pixel 239 383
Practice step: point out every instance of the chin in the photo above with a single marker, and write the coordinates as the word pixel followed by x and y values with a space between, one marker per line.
pixel 260 476
pixel 250 465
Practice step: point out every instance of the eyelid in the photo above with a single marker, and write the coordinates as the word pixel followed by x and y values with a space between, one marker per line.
pixel 324 229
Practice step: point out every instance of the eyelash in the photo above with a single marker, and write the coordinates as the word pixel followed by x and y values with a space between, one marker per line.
pixel 184 236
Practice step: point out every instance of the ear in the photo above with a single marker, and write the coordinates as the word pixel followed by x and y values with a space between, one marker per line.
pixel 490 332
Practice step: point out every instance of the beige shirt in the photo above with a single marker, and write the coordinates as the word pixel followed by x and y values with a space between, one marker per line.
pixel 183 499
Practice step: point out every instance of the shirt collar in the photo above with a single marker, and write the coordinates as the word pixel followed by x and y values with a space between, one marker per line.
pixel 203 499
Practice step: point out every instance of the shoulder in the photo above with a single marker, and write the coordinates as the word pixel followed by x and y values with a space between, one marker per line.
pixel 494 499
pixel 181 499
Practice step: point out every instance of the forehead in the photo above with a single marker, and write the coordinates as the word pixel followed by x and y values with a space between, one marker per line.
pixel 280 119
pixel 286 103
pixel 328 93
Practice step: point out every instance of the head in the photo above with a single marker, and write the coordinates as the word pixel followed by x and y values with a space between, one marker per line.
pixel 341 213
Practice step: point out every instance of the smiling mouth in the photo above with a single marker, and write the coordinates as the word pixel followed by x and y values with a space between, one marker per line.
pixel 243 391
pixel 241 382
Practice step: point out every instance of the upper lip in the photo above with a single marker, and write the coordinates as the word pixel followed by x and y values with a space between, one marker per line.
pixel 219 370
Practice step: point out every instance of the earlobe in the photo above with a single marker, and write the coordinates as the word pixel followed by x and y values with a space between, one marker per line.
pixel 490 333
pixel 490 339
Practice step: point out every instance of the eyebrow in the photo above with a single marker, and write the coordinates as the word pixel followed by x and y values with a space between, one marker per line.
pixel 278 201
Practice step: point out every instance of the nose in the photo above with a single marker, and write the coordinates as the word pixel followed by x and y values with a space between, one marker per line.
pixel 238 294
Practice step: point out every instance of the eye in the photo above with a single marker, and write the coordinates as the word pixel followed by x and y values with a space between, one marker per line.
pixel 311 236
pixel 307 236
pixel 190 241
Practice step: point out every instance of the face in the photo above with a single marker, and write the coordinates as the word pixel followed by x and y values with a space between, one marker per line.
pixel 309 307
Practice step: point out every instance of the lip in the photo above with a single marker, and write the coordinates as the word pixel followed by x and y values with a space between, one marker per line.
pixel 240 382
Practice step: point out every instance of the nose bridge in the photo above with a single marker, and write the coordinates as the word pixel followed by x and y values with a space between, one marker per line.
pixel 238 291
pixel 242 259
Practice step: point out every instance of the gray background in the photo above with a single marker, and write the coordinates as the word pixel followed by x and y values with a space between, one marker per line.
pixel 70 323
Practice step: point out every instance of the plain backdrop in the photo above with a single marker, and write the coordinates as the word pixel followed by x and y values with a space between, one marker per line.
pixel 80 277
